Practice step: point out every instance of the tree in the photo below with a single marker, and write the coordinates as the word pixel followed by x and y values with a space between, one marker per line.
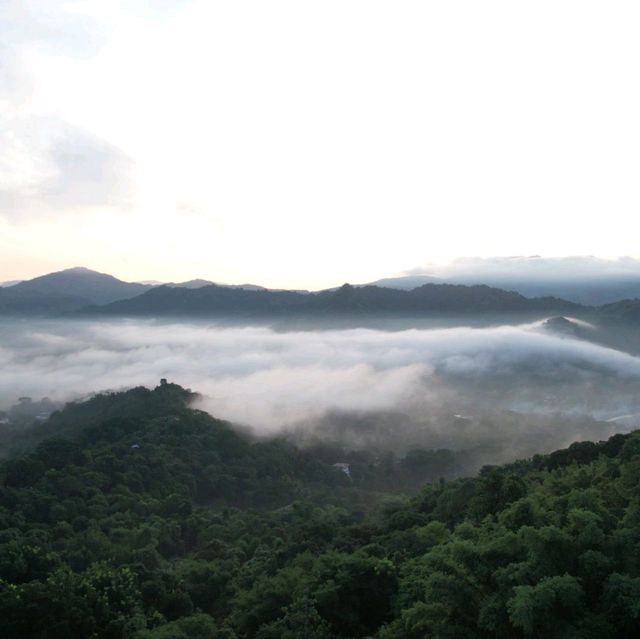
pixel 547 609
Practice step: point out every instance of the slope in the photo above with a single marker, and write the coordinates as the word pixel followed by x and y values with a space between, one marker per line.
pixel 124 530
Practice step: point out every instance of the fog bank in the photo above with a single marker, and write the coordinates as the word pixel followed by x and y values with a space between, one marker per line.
pixel 273 380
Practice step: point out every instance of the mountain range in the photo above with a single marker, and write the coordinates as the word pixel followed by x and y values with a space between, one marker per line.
pixel 584 279
pixel 75 288
pixel 80 290
pixel 587 291
pixel 215 300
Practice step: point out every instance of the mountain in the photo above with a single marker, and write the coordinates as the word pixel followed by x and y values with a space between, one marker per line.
pixel 199 283
pixel 94 287
pixel 588 291
pixel 622 311
pixel 439 298
pixel 17 301
pixel 210 299
pixel 582 279
pixel 213 300
pixel 406 282
pixel 9 283
pixel 65 291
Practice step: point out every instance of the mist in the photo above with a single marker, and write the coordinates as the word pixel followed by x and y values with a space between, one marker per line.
pixel 513 389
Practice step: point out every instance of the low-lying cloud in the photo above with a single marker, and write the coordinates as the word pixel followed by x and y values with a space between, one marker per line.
pixel 273 380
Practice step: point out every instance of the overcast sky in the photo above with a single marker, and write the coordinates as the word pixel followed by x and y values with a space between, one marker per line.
pixel 304 143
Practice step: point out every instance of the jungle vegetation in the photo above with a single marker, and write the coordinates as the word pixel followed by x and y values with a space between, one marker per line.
pixel 132 515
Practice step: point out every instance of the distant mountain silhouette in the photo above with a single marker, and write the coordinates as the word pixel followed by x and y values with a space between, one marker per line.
pixel 14 301
pixel 347 300
pixel 584 279
pixel 199 283
pixel 94 287
pixel 407 282
pixel 625 311
pixel 88 292
pixel 587 290
pixel 209 300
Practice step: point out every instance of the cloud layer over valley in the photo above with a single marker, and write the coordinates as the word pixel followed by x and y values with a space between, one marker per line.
pixel 273 381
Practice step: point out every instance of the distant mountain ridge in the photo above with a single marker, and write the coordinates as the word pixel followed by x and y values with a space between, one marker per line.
pixel 407 282
pixel 21 302
pixel 96 288
pixel 80 290
pixel 72 289
pixel 199 283
pixel 582 279
pixel 623 311
pixel 590 292
pixel 347 300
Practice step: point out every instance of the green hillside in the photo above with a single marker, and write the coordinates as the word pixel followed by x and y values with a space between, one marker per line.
pixel 134 516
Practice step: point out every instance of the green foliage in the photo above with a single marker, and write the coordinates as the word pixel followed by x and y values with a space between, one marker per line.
pixel 547 609
pixel 139 518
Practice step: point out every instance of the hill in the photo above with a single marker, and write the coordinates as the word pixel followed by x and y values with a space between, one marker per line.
pixel 199 283
pixel 347 300
pixel 18 301
pixel 205 300
pixel 625 311
pixel 154 521
pixel 407 282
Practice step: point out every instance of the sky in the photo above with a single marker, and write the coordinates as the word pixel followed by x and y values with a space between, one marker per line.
pixel 302 144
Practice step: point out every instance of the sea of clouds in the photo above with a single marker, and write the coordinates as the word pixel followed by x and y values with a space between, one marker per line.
pixel 270 379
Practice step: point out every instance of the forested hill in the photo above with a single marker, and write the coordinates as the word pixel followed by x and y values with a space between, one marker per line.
pixel 431 298
pixel 141 518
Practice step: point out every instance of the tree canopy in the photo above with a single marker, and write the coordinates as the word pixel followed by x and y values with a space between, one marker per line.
pixel 134 516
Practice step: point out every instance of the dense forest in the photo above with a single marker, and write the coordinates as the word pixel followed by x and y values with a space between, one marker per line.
pixel 132 515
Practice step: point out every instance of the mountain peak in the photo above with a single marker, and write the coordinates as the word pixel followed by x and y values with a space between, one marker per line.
pixel 81 270
pixel 78 269
pixel 82 282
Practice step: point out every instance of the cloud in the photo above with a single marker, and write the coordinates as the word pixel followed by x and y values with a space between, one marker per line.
pixel 271 380
pixel 28 28
pixel 58 26
pixel 531 268
pixel 49 166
